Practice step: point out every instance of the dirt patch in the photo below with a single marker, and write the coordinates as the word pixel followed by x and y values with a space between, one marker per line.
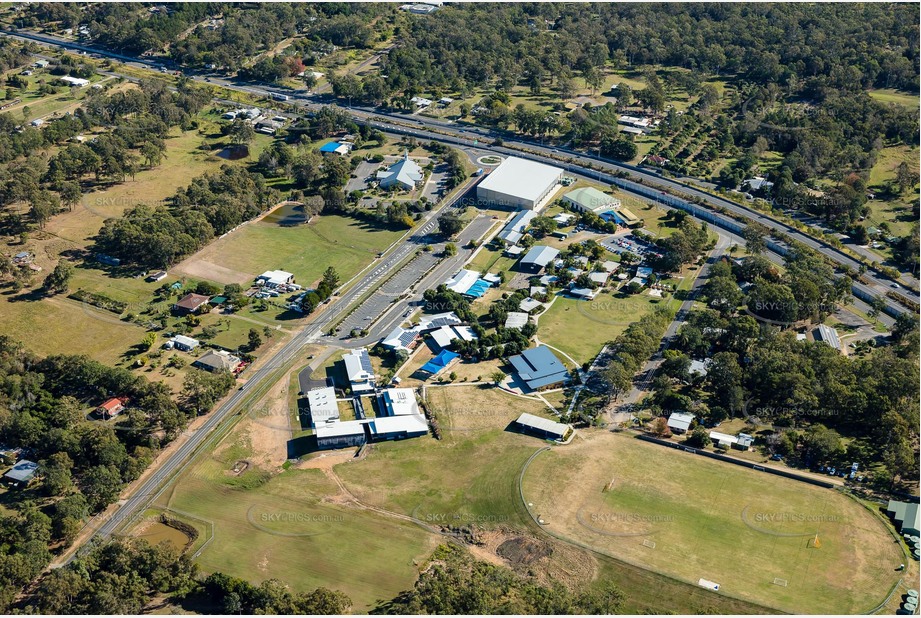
pixel 269 428
pixel 523 550
pixel 326 461
pixel 203 269
pixel 239 467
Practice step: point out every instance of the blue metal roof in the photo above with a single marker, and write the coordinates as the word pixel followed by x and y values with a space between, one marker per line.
pixel 438 363
pixel 478 289
pixel 330 147
pixel 539 367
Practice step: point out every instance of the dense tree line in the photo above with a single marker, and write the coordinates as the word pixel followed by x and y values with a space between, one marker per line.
pixel 117 577
pixel 233 595
pixel 809 392
pixel 764 43
pixel 210 206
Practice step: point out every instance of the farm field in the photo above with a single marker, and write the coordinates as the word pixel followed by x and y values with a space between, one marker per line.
pixel 750 532
pixel 305 250
pixel 63 326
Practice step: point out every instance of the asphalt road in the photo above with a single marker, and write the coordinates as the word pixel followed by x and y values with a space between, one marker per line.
pixel 288 352
pixel 447 132
pixel 879 285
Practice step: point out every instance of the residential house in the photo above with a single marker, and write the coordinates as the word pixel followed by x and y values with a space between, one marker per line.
pixel 110 408
pixel 190 303
pixel 218 360
pixel 21 474
pixel 680 422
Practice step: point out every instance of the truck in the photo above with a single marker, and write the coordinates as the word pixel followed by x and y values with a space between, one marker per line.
pixel 478 172
pixel 280 97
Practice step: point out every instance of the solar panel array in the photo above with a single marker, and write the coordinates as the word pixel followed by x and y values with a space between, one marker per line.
pixel 365 361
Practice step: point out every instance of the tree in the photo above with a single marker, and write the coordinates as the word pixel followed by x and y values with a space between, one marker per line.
pixel 618 378
pixel 240 132
pixel 618 147
pixel 101 486
pixel 330 278
pixel 497 377
pixel 450 224
pixel 254 339
pixel 55 473
pixel 44 205
pixel 699 438
pixel 70 194
pixel 58 280
pixel 905 177
pixel 724 294
pixel 821 444
pixel 754 235
pixel 724 375
pixel 450 249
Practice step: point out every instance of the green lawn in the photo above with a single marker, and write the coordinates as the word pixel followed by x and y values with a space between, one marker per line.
pixel 896 211
pixel 306 250
pixel 432 480
pixel 282 527
pixel 748 531
pixel 891 95
pixel 62 326
pixel 581 327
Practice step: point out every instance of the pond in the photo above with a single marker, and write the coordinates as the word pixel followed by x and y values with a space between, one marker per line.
pixel 157 532
pixel 287 215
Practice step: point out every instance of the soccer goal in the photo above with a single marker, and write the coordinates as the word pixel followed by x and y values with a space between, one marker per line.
pixel 780 582
pixel 649 544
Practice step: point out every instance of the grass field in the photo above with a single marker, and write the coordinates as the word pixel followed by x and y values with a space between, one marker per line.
pixel 305 250
pixel 62 326
pixel 293 526
pixel 712 520
pixel 891 95
pixel 469 476
pixel 897 212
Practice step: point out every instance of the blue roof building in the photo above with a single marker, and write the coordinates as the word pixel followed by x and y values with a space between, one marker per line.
pixel 539 368
pixel 438 364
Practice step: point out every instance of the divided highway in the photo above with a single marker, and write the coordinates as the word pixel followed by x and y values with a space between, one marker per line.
pixel 428 128
pixel 425 128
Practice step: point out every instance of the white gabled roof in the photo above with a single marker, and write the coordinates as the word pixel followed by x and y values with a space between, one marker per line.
pixel 680 420
pixel 544 424
pixel 186 341
pixel 462 281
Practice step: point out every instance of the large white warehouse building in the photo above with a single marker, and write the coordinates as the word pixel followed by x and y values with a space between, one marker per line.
pixel 519 183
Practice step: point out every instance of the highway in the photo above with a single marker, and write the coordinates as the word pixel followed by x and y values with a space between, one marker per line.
pixel 376 273
pixel 387 266
pixel 878 285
